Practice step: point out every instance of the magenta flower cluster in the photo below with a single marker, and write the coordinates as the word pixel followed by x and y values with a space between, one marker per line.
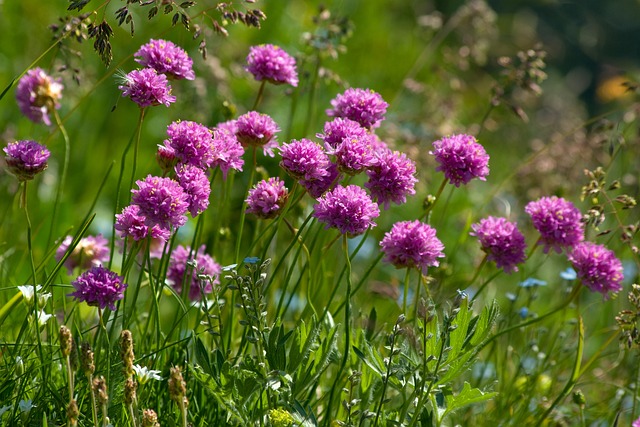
pixel 162 201
pixel 391 178
pixel 99 287
pixel 166 58
pixel 349 209
pixel 354 154
pixel 25 159
pixel 227 150
pixel 558 221
pixel 195 184
pixel 38 94
pixel 204 265
pixel 317 187
pixel 461 158
pixel 360 105
pixel 598 267
pixel 501 241
pixel 304 160
pixel 254 129
pixel 412 244
pixel 91 251
pixel 147 88
pixel 336 130
pixel 131 223
pixel 267 198
pixel 191 143
pixel 271 63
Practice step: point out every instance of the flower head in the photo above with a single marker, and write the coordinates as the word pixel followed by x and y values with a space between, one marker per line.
pixel 166 58
pixel 257 130
pixel 166 158
pixel 355 154
pixel 131 223
pixel 25 159
pixel 349 209
pixel 391 178
pixel 227 151
pixel 162 202
pixel 204 265
pixel 38 94
pixel 89 252
pixel 598 267
pixel 147 88
pixel 196 185
pixel 412 244
pixel 360 105
pixel 304 159
pixel 317 187
pixel 502 241
pixel 461 158
pixel 99 287
pixel 636 423
pixel 267 198
pixel 338 129
pixel 271 63
pixel 144 374
pixel 558 221
pixel 191 142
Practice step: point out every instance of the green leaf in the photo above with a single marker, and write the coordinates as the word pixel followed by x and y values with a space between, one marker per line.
pixel 485 322
pixel 202 357
pixel 461 325
pixel 467 396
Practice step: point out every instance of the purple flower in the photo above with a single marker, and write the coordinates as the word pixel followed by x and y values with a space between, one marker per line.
pixel 636 423
pixel 598 267
pixel 147 88
pixel 360 105
pixel 502 241
pixel 227 151
pixel 392 178
pixel 25 159
pixel 317 187
pixel 338 129
pixel 191 142
pixel 166 58
pixel 38 94
pixel 304 159
pixel 257 130
pixel 99 287
pixel 558 221
pixel 412 244
pixel 271 63
pixel 131 223
pixel 267 198
pixel 204 265
pixel 166 158
pixel 461 159
pixel 349 209
pixel 354 154
pixel 195 184
pixel 91 251
pixel 162 201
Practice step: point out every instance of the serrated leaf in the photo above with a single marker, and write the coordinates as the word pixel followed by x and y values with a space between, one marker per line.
pixel 371 362
pixel 459 334
pixel 485 322
pixel 202 357
pixel 466 396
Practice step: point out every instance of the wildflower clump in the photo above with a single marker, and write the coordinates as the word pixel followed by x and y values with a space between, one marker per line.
pixel 99 287
pixel 147 88
pixel 558 221
pixel 38 94
pixel 501 241
pixel 267 198
pixel 349 209
pixel 391 178
pixel 412 244
pixel 254 129
pixel 166 58
pixel 363 106
pixel 598 267
pixel 25 159
pixel 461 158
pixel 271 63
pixel 304 159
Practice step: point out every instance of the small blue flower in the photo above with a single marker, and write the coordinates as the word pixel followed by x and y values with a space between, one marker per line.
pixel 532 283
pixel 524 312
pixel 251 260
pixel 569 274
pixel 511 297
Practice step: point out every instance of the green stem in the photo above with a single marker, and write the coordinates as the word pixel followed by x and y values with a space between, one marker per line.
pixel 312 96
pixel 259 96
pixel 63 174
pixel 437 197
pixel 405 295
pixel 135 150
